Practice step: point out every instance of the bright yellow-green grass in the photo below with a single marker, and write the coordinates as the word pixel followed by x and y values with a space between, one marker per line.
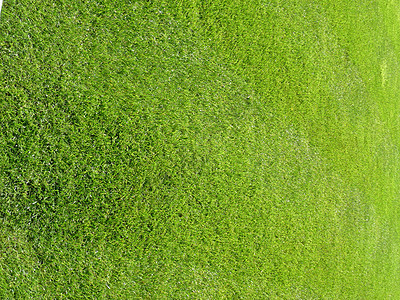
pixel 199 149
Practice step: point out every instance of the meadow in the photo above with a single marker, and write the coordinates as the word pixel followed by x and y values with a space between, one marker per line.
pixel 199 149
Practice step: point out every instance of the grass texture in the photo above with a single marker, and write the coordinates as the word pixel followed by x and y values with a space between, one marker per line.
pixel 199 149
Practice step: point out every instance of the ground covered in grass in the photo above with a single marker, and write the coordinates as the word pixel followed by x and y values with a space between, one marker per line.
pixel 199 149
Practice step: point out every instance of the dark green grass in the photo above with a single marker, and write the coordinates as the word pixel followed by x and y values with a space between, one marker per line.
pixel 158 150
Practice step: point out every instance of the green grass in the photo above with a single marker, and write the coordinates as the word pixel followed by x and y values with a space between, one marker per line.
pixel 199 150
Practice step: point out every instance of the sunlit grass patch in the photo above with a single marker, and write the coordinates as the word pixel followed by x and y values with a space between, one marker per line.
pixel 199 150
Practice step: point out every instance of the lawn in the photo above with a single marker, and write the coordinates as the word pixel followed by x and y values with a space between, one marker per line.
pixel 199 149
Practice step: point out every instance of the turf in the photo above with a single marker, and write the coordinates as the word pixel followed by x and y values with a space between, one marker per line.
pixel 199 149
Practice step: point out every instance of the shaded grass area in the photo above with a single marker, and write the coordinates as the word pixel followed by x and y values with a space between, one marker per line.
pixel 198 150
